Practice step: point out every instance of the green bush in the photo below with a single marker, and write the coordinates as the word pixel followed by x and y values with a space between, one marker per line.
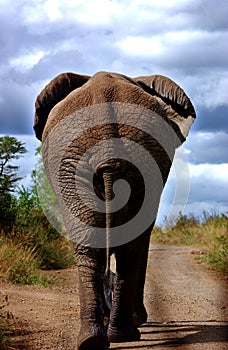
pixel 8 210
pixel 32 244
pixel 28 242
pixel 33 228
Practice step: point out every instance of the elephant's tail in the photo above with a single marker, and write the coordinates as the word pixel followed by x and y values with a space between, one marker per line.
pixel 107 176
pixel 108 277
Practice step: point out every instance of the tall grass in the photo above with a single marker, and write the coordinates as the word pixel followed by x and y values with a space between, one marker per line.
pixel 31 244
pixel 20 264
pixel 210 235
pixel 35 231
pixel 28 245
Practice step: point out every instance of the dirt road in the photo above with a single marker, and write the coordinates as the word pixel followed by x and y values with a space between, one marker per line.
pixel 186 303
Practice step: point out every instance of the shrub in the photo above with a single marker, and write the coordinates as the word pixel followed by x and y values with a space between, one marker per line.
pixel 28 242
pixel 33 228
pixel 8 209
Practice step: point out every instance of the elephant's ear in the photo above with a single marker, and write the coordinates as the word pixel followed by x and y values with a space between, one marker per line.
pixel 54 92
pixel 175 102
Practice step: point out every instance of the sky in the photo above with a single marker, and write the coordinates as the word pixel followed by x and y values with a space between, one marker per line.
pixel 185 40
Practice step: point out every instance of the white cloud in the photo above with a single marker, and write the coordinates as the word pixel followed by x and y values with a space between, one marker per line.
pixel 193 188
pixel 141 46
pixel 89 12
pixel 51 7
pixel 209 89
pixel 26 61
pixel 160 43
pixel 213 92
pixel 99 13
pixel 210 172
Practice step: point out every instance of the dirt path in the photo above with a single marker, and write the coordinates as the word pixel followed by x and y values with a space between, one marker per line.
pixel 187 307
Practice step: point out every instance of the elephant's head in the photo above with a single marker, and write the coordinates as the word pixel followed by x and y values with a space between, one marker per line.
pixel 173 103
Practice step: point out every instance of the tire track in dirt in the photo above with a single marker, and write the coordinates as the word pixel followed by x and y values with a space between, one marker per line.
pixel 186 303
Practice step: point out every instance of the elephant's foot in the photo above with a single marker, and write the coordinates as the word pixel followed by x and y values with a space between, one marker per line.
pixel 96 339
pixel 140 316
pixel 116 335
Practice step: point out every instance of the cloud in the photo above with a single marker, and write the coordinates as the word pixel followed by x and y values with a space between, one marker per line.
pixel 182 39
pixel 207 147
pixel 206 14
pixel 174 38
pixel 209 89
pixel 201 187
pixel 211 120
pixel 208 182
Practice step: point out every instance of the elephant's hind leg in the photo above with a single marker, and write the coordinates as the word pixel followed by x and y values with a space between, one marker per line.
pixel 140 314
pixel 121 325
pixel 92 334
pixel 87 341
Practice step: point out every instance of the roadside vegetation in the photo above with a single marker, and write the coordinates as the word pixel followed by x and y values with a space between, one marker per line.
pixel 209 233
pixel 28 243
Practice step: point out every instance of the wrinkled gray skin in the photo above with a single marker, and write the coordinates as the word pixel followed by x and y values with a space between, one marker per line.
pixel 65 95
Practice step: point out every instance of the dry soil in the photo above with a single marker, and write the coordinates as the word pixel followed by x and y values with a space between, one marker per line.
pixel 186 303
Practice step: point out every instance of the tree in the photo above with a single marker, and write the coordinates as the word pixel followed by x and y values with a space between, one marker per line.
pixel 45 195
pixel 10 149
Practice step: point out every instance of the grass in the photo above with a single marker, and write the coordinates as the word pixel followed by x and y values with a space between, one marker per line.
pixel 20 265
pixel 4 323
pixel 31 244
pixel 4 327
pixel 28 248
pixel 211 236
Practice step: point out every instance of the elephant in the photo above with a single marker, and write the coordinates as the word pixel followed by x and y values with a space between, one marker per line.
pixel 97 131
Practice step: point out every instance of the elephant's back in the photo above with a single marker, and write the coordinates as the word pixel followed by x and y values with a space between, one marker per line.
pixel 102 88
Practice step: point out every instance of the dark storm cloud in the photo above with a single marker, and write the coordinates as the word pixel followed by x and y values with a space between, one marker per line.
pixel 209 15
pixel 212 119
pixel 185 42
pixel 207 147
